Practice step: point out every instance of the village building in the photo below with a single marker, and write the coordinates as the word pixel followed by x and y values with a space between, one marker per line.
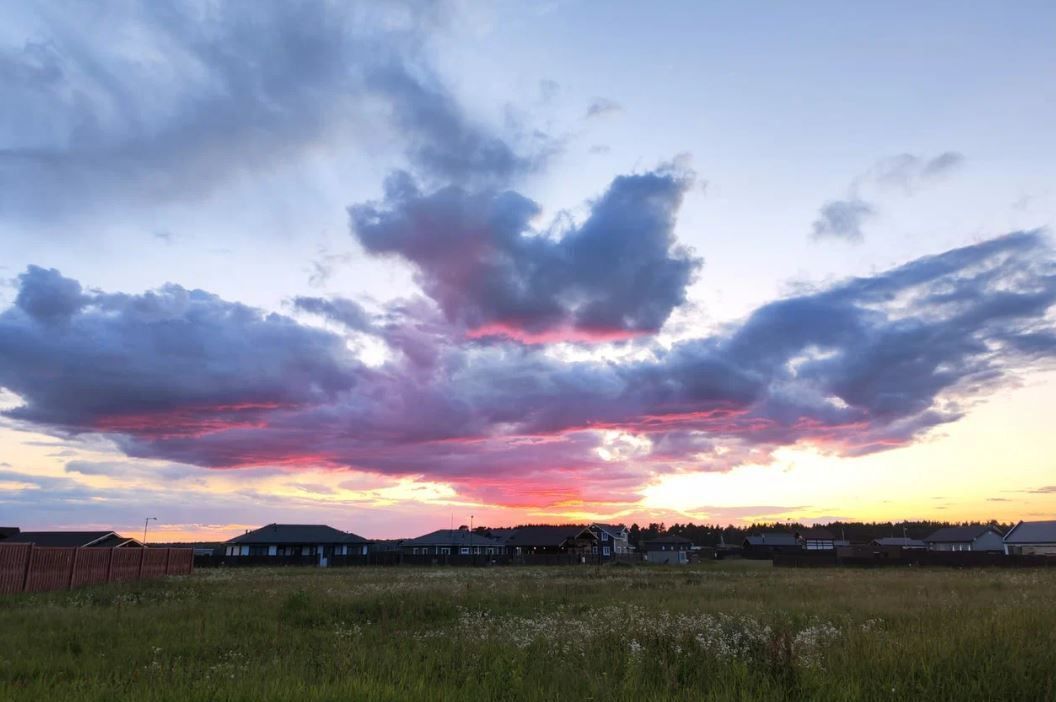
pixel 73 539
pixel 306 540
pixel 671 549
pixel 453 542
pixel 979 537
pixel 612 540
pixel 816 539
pixel 1032 539
pixel 538 540
pixel 766 545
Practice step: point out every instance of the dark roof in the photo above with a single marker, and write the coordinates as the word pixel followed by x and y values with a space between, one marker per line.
pixel 62 538
pixel 8 531
pixel 899 541
pixel 610 529
pixel 298 534
pixel 961 534
pixel 1032 533
pixel 453 537
pixel 542 535
pixel 771 539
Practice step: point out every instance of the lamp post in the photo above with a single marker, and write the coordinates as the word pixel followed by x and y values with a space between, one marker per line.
pixel 471 540
pixel 145 523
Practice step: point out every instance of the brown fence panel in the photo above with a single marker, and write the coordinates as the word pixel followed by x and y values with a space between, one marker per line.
pixel 181 561
pixel 91 567
pixel 50 569
pixel 125 564
pixel 153 562
pixel 14 558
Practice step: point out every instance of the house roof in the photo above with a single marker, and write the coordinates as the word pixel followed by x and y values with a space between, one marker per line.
pixel 297 534
pixel 68 539
pixel 961 534
pixel 454 537
pixel 1032 533
pixel 611 529
pixel 669 539
pixel 771 539
pixel 8 531
pixel 899 541
pixel 542 535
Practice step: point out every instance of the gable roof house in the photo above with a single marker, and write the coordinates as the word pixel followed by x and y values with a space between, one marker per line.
pixel 73 539
pixel 453 542
pixel 1032 539
pixel 977 537
pixel 766 545
pixel 613 540
pixel 548 540
pixel 667 549
pixel 314 540
pixel 816 539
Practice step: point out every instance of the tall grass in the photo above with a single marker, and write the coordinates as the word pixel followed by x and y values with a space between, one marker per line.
pixel 736 631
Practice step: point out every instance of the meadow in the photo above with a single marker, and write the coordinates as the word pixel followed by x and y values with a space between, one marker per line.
pixel 733 630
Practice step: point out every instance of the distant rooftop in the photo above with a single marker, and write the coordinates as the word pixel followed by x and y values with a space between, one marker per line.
pixel 298 534
pixel 1032 533
pixel 960 534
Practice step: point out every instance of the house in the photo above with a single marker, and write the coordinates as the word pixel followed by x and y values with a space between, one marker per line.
pixel 978 537
pixel 816 539
pixel 667 549
pixel 766 545
pixel 548 540
pixel 5 532
pixel 1032 539
pixel 314 540
pixel 612 539
pixel 73 539
pixel 900 542
pixel 453 542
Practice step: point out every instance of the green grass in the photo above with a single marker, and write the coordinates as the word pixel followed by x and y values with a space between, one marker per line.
pixel 723 631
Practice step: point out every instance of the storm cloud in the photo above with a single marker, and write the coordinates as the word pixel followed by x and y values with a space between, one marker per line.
pixel 618 274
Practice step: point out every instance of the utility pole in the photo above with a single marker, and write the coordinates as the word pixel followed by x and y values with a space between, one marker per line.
pixel 145 523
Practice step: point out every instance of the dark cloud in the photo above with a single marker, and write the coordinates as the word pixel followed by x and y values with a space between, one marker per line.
pixel 858 367
pixel 842 219
pixel 168 360
pixel 619 273
pixel 349 313
pixel 601 107
pixel 93 118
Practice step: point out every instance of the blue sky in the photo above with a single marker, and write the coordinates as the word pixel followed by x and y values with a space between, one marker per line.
pixel 219 147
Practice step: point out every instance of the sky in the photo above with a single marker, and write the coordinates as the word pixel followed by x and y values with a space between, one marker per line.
pixel 393 266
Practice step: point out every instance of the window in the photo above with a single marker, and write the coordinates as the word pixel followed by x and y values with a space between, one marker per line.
pixel 464 550
pixel 273 550
pixel 476 550
pixel 604 536
pixel 605 551
pixel 445 551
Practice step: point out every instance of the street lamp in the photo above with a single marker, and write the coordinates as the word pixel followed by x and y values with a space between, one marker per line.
pixel 145 523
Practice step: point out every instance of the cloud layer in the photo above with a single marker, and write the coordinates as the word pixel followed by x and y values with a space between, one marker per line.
pixel 618 274
pixel 861 366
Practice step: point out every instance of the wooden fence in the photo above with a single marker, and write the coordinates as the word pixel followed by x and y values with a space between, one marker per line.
pixel 29 568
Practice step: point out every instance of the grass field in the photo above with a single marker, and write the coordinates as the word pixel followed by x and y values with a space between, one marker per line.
pixel 722 631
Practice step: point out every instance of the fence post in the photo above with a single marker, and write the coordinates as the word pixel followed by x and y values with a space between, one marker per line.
pixel 168 559
pixel 110 566
pixel 29 565
pixel 142 553
pixel 73 568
